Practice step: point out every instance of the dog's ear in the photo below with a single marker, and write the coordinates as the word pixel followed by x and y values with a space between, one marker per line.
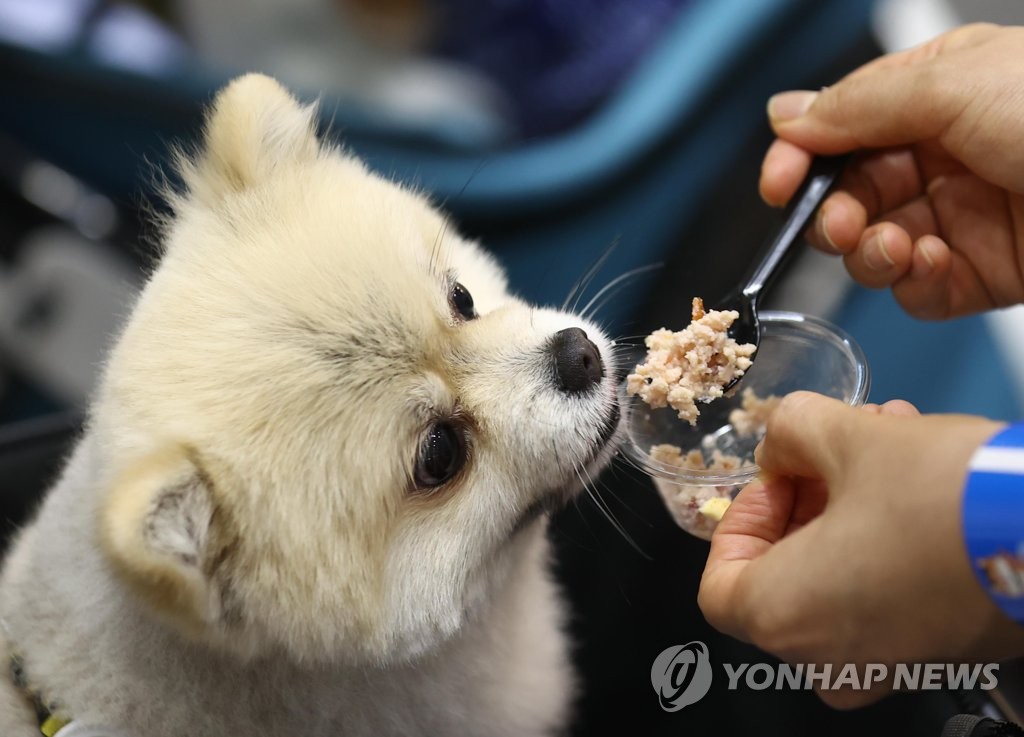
pixel 254 129
pixel 161 529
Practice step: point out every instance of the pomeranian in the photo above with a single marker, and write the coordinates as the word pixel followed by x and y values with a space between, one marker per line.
pixel 312 493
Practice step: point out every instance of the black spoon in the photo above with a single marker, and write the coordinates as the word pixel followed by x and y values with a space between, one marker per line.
pixel 820 179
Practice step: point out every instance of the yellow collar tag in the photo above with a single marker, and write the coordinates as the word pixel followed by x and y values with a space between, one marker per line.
pixel 53 724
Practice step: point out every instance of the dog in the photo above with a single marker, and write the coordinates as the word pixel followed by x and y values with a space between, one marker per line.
pixel 311 496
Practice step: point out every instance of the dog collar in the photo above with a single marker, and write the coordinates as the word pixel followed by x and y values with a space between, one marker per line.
pixel 52 719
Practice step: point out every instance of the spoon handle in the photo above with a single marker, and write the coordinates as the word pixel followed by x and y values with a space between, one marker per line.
pixel 821 177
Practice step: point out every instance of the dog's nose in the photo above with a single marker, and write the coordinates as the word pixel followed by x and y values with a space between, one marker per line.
pixel 577 361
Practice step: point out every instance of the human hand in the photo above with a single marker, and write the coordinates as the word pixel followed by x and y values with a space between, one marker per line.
pixel 933 207
pixel 850 550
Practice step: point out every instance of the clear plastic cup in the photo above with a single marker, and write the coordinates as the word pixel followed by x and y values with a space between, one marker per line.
pixel 797 352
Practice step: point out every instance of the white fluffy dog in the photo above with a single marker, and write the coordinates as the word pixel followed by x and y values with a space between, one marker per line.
pixel 311 495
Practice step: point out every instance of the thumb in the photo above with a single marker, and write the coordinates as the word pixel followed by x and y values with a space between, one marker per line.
pixel 807 436
pixel 755 522
pixel 893 106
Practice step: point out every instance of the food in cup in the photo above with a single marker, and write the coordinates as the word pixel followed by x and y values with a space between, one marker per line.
pixel 751 417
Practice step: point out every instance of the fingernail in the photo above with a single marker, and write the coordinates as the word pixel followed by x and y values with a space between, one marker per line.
pixel 926 252
pixel 767 200
pixel 876 256
pixel 823 230
pixel 789 105
pixel 934 185
pixel 923 266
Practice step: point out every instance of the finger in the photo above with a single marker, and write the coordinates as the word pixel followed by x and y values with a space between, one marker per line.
pixel 806 436
pixel 883 180
pixel 893 250
pixel 838 226
pixel 946 284
pixel 924 292
pixel 981 226
pixel 878 181
pixel 916 218
pixel 958 38
pixel 782 170
pixel 879 108
pixel 898 408
pixel 892 408
pixel 870 185
pixel 882 257
pixel 765 512
pixel 756 520
pixel 811 500
pixel 891 101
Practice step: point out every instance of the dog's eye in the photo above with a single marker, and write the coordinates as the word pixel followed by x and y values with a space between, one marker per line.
pixel 462 302
pixel 442 454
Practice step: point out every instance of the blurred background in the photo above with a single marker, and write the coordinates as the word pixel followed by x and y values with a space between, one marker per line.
pixel 574 138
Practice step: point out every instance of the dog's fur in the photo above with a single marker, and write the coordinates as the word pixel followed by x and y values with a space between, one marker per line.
pixel 237 545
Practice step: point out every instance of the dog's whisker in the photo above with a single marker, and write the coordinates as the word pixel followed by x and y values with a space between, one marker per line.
pixel 581 282
pixel 608 298
pixel 586 522
pixel 436 249
pixel 473 174
pixel 632 463
pixel 597 502
pixel 617 498
pixel 606 511
pixel 625 353
pixel 615 285
pixel 577 290
pixel 559 531
pixel 609 249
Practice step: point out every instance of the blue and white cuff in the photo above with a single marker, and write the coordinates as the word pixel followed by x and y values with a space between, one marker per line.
pixel 993 518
